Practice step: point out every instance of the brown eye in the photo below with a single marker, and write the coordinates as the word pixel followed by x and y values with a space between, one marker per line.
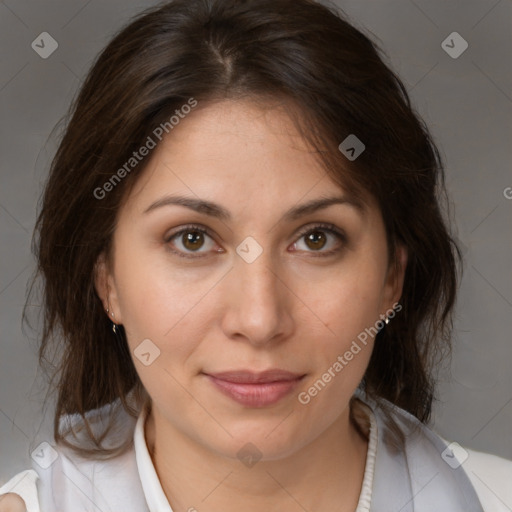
pixel 192 240
pixel 316 240
pixel 320 237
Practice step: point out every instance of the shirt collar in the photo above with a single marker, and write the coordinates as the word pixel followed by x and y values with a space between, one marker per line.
pixel 155 496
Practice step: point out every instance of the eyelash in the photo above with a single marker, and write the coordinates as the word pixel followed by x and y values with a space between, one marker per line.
pixel 330 228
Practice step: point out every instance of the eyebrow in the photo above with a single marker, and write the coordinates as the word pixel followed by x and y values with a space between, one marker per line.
pixel 216 210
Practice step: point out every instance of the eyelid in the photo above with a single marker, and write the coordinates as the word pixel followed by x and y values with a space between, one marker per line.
pixel 188 227
pixel 321 226
pixel 184 229
pixel 332 229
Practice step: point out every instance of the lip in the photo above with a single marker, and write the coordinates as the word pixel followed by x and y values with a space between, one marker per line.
pixel 254 389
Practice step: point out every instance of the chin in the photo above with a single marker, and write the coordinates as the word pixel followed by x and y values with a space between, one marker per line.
pixel 261 441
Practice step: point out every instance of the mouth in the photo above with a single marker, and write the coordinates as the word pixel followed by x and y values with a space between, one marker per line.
pixel 255 389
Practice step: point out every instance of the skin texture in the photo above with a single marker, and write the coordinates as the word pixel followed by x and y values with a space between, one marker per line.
pixel 290 308
pixel 11 502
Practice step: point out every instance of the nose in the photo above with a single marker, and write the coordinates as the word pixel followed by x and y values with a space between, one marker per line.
pixel 258 302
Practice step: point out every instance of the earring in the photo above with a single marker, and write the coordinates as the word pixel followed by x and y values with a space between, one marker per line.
pixel 113 323
pixel 387 320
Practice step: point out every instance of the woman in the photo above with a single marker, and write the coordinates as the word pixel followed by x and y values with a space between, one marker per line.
pixel 247 266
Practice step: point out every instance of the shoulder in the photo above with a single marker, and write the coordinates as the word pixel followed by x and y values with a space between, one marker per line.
pixel 61 478
pixel 72 482
pixel 467 474
pixel 491 477
pixel 24 485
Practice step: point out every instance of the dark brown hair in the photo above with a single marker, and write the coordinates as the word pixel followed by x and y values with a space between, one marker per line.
pixel 334 82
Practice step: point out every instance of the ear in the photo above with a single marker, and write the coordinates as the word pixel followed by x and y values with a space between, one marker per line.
pixel 104 284
pixel 395 276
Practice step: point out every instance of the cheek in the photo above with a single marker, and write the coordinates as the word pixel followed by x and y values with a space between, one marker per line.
pixel 342 349
pixel 345 308
pixel 348 300
pixel 165 307
pixel 141 292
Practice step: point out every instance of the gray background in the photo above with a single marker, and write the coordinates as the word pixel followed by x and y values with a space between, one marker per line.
pixel 467 103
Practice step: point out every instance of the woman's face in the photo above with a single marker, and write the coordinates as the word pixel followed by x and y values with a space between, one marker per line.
pixel 262 289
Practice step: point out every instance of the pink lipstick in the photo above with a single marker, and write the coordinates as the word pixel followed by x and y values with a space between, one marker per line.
pixel 255 389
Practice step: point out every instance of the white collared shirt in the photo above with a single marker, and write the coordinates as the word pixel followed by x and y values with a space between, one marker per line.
pixel 130 483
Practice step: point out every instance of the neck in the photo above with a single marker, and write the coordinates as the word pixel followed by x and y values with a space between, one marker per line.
pixel 324 474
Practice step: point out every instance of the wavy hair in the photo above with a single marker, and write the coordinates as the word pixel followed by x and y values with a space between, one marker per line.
pixel 335 82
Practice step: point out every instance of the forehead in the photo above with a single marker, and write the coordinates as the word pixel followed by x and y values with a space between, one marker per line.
pixel 230 130
pixel 235 151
